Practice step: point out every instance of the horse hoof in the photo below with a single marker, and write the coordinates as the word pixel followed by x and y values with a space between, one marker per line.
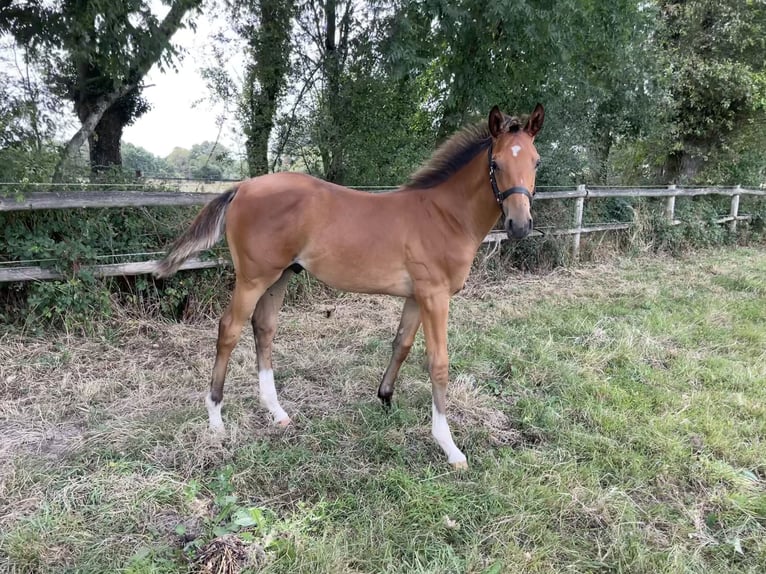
pixel 460 465
pixel 216 435
pixel 284 423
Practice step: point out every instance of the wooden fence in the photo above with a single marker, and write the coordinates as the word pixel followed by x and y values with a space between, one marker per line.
pixel 121 198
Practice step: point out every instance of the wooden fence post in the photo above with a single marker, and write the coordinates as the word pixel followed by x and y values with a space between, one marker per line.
pixel 670 206
pixel 579 205
pixel 734 211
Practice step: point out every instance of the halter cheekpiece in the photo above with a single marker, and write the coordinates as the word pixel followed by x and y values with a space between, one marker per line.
pixel 500 197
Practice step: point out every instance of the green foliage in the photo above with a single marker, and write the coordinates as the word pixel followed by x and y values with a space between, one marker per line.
pixel 29 114
pixel 69 241
pixel 230 515
pixel 210 160
pixel 204 161
pixel 207 160
pixel 613 423
pixel 137 159
pixel 97 53
pixel 70 303
pixel 635 92
pixel 19 163
pixel 718 90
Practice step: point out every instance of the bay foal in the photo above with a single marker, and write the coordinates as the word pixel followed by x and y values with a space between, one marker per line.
pixel 417 242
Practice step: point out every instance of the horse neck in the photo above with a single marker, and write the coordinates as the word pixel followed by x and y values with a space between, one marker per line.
pixel 468 197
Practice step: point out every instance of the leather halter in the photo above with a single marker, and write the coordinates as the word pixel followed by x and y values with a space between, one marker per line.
pixel 500 197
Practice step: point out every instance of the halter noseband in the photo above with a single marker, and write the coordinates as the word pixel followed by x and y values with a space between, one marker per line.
pixel 501 197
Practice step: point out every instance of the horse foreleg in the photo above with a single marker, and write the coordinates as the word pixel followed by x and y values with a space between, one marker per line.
pixel 264 328
pixel 405 336
pixel 434 313
pixel 243 301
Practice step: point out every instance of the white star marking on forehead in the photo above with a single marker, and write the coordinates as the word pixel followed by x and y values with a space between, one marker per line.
pixel 516 149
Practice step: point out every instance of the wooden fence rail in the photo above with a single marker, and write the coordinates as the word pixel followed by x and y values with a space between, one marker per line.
pixel 119 198
pixel 128 198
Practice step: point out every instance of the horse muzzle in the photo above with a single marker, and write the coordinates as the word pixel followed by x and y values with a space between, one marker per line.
pixel 518 229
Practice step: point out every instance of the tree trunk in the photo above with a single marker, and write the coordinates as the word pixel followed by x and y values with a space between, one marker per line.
pixel 257 150
pixel 89 121
pixel 265 80
pixel 603 147
pixel 104 142
pixel 136 72
pixel 332 154
pixel 333 111
pixel 683 166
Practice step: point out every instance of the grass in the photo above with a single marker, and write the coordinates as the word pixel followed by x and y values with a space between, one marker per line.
pixel 613 415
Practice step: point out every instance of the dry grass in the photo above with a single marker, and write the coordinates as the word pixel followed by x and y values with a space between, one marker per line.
pixel 592 403
pixel 55 389
pixel 53 386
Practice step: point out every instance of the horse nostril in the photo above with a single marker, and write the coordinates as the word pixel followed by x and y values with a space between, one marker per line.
pixel 531 225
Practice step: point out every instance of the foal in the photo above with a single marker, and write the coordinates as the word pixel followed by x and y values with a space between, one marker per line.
pixel 417 242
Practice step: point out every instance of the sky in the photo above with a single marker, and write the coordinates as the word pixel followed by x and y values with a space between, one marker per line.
pixel 178 117
pixel 181 114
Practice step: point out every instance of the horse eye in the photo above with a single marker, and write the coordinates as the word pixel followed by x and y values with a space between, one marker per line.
pixel 537 163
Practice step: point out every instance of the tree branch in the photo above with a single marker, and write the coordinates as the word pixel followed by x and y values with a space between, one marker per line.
pixel 137 70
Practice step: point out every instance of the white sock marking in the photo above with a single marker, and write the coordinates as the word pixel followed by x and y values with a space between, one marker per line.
pixel 516 149
pixel 214 413
pixel 440 431
pixel 269 395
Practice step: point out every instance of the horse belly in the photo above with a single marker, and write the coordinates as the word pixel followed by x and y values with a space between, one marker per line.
pixel 366 276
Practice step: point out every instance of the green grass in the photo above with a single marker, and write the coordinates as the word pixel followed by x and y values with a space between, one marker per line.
pixel 614 418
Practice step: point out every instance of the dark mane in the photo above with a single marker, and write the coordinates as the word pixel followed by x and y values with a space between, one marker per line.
pixel 456 152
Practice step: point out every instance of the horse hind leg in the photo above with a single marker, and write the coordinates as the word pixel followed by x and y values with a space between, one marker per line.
pixel 243 301
pixel 405 336
pixel 264 328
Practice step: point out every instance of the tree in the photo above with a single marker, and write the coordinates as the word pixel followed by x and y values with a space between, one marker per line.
pixel 96 54
pixel 337 59
pixel 715 54
pixel 476 54
pixel 136 159
pixel 588 62
pixel 29 115
pixel 264 27
pixel 206 160
pixel 614 78
pixel 179 161
pixel 210 160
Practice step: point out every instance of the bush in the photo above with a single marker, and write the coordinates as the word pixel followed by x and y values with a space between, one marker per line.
pixel 71 240
pixel 68 241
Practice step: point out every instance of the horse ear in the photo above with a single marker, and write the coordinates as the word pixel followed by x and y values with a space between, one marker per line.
pixel 535 121
pixel 496 120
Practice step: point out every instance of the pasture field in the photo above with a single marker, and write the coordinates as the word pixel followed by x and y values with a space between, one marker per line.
pixel 613 415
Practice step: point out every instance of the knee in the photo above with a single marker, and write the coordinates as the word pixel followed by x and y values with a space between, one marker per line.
pixel 228 332
pixel 264 332
pixel 438 369
pixel 402 349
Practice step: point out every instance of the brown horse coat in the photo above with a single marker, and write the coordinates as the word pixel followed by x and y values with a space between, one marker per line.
pixel 417 242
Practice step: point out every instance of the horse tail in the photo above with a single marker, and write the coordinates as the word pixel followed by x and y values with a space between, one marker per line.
pixel 203 233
